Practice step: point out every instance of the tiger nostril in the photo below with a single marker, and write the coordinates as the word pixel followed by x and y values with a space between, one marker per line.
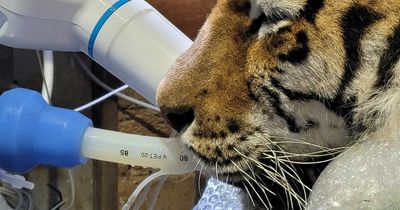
pixel 178 118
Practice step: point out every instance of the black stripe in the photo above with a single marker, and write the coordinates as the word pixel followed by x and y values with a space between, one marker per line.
pixel 293 95
pixel 388 60
pixel 251 94
pixel 312 8
pixel 276 102
pixel 354 24
pixel 256 24
pixel 343 108
pixel 300 53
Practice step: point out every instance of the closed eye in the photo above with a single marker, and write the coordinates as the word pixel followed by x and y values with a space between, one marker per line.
pixel 266 25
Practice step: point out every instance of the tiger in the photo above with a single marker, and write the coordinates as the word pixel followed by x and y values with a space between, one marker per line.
pixel 272 90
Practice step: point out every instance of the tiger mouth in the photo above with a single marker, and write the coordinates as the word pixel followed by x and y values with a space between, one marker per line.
pixel 224 155
pixel 262 178
pixel 208 161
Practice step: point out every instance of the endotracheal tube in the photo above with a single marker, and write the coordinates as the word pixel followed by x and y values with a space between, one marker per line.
pixel 166 154
pixel 35 133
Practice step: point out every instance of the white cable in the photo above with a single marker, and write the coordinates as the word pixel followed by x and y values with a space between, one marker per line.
pixel 4 204
pixel 29 201
pixel 8 192
pixel 108 95
pixel 142 197
pixel 13 194
pixel 59 204
pixel 48 72
pixel 45 88
pixel 71 178
pixel 20 200
pixel 160 183
pixel 47 69
pixel 108 88
pixel 157 191
pixel 135 193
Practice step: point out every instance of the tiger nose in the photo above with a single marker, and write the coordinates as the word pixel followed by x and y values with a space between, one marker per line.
pixel 178 118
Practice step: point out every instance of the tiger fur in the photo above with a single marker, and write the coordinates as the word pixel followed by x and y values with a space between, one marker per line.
pixel 271 85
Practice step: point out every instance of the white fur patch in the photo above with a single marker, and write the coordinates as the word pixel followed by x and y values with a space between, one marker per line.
pixel 284 7
pixel 331 131
pixel 273 27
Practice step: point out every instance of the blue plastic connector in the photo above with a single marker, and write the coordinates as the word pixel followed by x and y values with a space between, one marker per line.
pixel 34 133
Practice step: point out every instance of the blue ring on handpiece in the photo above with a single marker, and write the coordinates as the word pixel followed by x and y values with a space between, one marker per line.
pixel 101 23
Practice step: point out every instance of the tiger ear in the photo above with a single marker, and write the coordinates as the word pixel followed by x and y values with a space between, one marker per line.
pixel 281 9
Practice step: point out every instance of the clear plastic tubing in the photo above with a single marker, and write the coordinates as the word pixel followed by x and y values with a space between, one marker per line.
pixel 167 154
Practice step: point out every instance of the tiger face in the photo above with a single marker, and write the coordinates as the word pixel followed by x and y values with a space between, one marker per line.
pixel 271 83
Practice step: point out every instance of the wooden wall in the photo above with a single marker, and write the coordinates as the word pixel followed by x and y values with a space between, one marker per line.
pixel 187 15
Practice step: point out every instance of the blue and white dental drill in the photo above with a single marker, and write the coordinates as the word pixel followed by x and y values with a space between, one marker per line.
pixel 129 38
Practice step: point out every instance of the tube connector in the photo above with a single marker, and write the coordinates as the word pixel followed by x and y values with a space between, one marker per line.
pixel 16 181
pixel 33 133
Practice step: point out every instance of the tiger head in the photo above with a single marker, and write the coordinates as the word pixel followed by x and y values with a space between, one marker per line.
pixel 274 82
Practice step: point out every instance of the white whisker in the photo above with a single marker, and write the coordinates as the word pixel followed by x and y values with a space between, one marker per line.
pixel 248 192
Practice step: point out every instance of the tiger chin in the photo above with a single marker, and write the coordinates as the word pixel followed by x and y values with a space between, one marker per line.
pixel 272 90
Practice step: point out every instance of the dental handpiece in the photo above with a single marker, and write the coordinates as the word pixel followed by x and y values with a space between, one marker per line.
pixel 129 38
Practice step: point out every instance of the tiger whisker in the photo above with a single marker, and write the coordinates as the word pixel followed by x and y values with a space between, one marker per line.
pixel 199 180
pixel 190 174
pixel 256 176
pixel 275 177
pixel 261 186
pixel 310 162
pixel 301 201
pixel 299 141
pixel 289 191
pixel 292 176
pixel 291 164
pixel 294 155
pixel 309 155
pixel 248 192
pixel 246 174
pixel 255 191
pixel 285 184
pixel 227 179
pixel 216 170
pixel 295 176
pixel 320 153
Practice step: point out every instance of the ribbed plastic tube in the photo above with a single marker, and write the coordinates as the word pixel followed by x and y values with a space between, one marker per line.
pixel 167 154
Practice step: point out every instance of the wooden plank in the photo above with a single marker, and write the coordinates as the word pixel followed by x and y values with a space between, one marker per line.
pixel 7 68
pixel 187 15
